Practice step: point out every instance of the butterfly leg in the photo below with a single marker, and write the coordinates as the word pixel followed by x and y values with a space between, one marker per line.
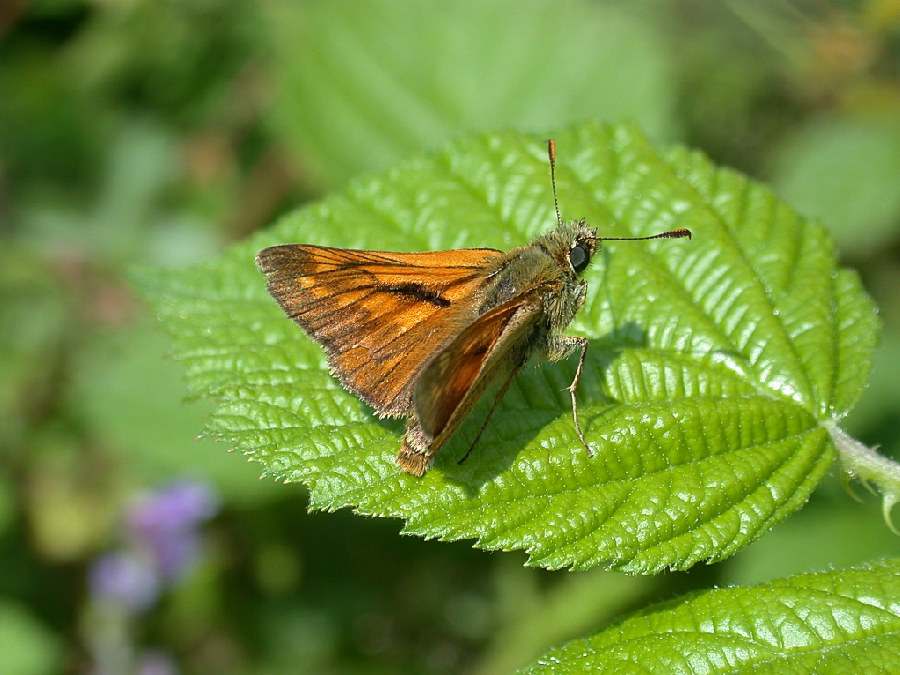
pixel 583 343
pixel 561 347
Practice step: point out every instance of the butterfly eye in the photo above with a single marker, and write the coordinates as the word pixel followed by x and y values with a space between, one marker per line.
pixel 579 257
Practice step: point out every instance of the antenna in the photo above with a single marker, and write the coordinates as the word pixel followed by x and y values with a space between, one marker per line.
pixel 671 234
pixel 551 151
pixel 678 233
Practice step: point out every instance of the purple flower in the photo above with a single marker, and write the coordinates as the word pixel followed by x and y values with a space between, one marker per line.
pixel 164 524
pixel 162 543
pixel 125 580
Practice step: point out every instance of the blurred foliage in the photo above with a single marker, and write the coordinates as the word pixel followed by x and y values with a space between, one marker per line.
pixel 156 133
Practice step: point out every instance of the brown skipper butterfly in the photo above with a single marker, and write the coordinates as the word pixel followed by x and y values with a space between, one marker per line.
pixel 422 335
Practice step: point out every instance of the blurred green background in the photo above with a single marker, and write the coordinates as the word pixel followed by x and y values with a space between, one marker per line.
pixel 136 132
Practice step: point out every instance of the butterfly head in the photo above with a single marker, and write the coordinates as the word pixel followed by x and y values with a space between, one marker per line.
pixel 583 241
pixel 572 245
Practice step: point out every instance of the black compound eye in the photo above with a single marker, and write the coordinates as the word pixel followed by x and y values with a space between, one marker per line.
pixel 579 257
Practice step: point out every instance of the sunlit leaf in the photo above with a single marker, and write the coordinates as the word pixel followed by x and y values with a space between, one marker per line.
pixel 715 366
pixel 842 621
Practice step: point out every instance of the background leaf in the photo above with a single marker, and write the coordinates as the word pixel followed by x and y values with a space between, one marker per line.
pixel 28 646
pixel 833 622
pixel 712 366
pixel 351 99
pixel 845 172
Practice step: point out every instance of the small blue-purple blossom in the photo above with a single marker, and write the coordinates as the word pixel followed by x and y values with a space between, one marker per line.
pixel 125 580
pixel 178 507
pixel 164 523
pixel 162 544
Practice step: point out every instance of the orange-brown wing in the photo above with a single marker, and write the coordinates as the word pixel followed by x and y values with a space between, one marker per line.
pixel 379 316
pixel 495 344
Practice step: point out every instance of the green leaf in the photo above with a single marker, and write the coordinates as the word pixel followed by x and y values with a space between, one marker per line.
pixel 714 363
pixel 844 171
pixel 843 621
pixel 100 389
pixel 362 85
pixel 29 646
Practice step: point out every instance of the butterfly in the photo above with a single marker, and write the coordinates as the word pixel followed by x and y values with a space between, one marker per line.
pixel 422 335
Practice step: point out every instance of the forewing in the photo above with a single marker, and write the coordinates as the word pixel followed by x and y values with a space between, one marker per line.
pixel 379 316
pixel 497 343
